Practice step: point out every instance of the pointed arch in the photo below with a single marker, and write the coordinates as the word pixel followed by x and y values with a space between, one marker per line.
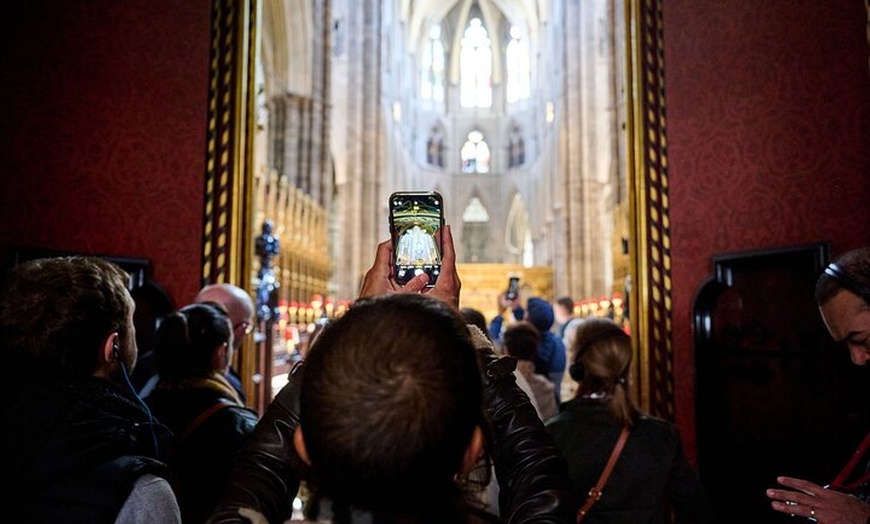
pixel 490 16
pixel 475 230
pixel 288 29
pixel 517 236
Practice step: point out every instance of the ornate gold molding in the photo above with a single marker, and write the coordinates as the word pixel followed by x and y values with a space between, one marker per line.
pixel 650 300
pixel 228 183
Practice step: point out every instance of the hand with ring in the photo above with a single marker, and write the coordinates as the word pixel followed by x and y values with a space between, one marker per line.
pixel 817 504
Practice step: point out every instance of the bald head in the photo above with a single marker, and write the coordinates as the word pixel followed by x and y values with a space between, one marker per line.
pixel 237 302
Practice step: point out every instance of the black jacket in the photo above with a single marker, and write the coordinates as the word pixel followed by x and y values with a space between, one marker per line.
pixel 71 451
pixel 651 473
pixel 202 452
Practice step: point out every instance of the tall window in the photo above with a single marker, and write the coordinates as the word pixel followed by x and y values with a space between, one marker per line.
pixel 475 66
pixel 432 70
pixel 475 154
pixel 518 67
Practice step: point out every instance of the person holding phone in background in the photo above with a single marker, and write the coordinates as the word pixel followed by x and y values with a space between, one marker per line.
pixel 550 358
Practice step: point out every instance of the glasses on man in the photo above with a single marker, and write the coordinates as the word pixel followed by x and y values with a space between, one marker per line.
pixel 244 325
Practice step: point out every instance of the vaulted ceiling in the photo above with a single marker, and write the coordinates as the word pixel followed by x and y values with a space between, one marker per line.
pixel 419 14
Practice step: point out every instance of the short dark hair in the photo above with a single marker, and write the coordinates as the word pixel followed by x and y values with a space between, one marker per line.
pixel 55 314
pixel 520 340
pixel 391 396
pixel 850 271
pixel 186 340
pixel 475 317
pixel 567 303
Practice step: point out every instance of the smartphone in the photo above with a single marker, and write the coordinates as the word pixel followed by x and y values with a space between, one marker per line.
pixel 513 289
pixel 416 221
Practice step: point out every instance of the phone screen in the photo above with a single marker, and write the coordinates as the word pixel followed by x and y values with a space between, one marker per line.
pixel 416 219
pixel 513 289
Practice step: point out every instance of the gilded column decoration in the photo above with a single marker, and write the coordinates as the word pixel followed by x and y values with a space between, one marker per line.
pixel 228 192
pixel 652 290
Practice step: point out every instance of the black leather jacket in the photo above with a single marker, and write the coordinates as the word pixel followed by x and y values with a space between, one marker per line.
pixel 531 472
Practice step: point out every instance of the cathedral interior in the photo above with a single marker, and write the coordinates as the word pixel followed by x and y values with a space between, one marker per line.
pixel 515 113
pixel 687 166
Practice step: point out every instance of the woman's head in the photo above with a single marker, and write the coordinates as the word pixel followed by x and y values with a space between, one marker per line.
pixel 196 340
pixel 391 399
pixel 601 363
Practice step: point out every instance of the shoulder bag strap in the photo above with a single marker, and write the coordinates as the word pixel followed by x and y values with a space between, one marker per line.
pixel 202 417
pixel 595 492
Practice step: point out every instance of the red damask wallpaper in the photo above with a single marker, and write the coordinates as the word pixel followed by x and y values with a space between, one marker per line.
pixel 768 111
pixel 103 130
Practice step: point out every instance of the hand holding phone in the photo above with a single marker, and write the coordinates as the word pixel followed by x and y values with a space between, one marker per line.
pixel 513 290
pixel 379 277
pixel 416 223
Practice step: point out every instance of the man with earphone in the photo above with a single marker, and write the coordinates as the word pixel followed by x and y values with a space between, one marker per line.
pixel 77 444
pixel 843 296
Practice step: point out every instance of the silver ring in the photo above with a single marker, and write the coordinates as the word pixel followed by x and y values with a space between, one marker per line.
pixel 812 519
pixel 790 503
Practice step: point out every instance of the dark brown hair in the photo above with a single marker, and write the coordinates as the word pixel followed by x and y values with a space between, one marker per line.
pixel 391 395
pixel 520 340
pixel 187 339
pixel 55 314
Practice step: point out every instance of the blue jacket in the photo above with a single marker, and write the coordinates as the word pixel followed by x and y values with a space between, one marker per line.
pixel 550 358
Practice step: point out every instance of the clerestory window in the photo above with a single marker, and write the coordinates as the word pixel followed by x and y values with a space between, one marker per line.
pixel 432 70
pixel 519 71
pixel 475 66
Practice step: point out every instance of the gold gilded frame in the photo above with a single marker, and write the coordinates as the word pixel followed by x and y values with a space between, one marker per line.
pixel 229 179
pixel 227 240
pixel 648 196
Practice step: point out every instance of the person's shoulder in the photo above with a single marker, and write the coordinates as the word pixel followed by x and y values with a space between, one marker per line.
pixel 542 383
pixel 242 418
pixel 585 411
pixel 248 415
pixel 551 338
pixel 150 501
pixel 566 415
pixel 656 422
pixel 658 429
